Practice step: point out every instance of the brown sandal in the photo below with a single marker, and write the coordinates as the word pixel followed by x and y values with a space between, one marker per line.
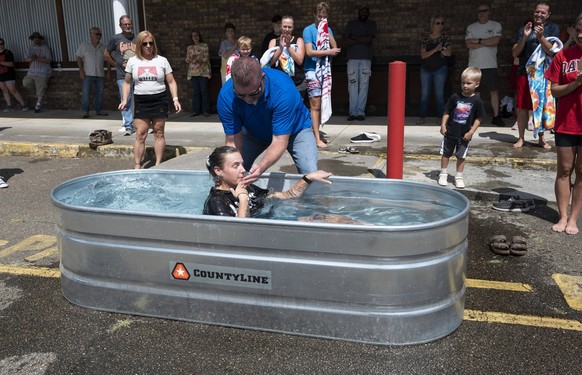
pixel 518 246
pixel 499 245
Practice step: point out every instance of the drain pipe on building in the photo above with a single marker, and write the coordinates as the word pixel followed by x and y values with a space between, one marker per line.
pixel 395 136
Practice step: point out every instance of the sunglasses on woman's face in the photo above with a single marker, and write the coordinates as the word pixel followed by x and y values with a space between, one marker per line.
pixel 439 23
pixel 147 44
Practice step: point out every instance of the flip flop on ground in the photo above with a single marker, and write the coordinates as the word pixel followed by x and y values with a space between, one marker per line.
pixel 499 245
pixel 518 246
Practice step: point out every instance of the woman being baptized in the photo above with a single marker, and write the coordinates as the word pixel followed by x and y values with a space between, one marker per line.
pixel 229 197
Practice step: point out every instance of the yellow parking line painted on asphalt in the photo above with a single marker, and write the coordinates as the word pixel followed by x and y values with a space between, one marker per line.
pixel 524 320
pixel 36 242
pixel 3 242
pixel 30 271
pixel 499 285
pixel 571 287
pixel 53 251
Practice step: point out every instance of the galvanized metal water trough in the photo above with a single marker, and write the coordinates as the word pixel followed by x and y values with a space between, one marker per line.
pixel 389 285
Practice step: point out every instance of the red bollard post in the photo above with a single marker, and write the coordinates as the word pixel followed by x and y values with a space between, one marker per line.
pixel 395 136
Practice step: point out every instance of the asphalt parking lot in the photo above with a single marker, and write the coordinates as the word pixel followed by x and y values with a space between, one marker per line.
pixel 523 315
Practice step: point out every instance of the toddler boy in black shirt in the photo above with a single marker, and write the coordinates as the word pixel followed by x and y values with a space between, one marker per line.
pixel 463 114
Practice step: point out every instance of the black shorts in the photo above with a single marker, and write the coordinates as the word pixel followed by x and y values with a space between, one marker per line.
pixel 489 80
pixel 568 140
pixel 449 145
pixel 151 106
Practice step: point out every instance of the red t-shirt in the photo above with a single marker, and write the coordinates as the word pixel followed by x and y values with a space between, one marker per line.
pixel 563 70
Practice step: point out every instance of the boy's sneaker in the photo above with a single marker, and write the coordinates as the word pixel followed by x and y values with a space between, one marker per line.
pixel 37 108
pixel 9 109
pixel 3 183
pixel 498 121
pixel 514 204
pixel 25 109
pixel 459 182
pixel 443 179
pixel 127 131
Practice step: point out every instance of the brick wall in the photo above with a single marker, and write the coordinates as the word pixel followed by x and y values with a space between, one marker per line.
pixel 401 25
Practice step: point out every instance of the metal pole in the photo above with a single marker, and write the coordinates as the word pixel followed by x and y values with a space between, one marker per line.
pixel 396 100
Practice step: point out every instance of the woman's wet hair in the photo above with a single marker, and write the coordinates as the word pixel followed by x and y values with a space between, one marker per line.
pixel 216 159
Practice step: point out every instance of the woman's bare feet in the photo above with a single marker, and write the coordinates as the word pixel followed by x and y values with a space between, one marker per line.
pixel 560 226
pixel 571 229
pixel 518 144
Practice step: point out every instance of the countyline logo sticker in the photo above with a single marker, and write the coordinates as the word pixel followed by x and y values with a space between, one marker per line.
pixel 231 276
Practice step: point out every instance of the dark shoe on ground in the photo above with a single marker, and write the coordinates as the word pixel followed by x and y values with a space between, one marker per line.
pixel 128 131
pixel 206 114
pixel 37 108
pixel 352 118
pixel 99 138
pixel 362 138
pixel 420 121
pixel 360 118
pixel 86 115
pixel 498 121
pixel 194 114
pixel 518 246
pixel 514 204
pixel 499 245
pixel 102 114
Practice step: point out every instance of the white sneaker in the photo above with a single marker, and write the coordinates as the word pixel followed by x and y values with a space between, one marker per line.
pixel 459 183
pixel 3 183
pixel 443 179
pixel 122 129
pixel 128 132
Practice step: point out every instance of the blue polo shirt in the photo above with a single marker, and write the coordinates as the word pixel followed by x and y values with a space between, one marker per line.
pixel 280 110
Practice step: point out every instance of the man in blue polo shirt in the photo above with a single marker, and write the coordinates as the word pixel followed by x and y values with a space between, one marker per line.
pixel 261 110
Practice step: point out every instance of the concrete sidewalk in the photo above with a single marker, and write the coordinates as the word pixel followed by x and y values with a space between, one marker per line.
pixel 493 167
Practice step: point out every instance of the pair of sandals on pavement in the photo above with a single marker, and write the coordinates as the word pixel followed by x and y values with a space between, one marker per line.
pixel 499 245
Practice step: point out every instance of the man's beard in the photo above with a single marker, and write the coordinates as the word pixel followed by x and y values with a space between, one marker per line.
pixel 363 18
